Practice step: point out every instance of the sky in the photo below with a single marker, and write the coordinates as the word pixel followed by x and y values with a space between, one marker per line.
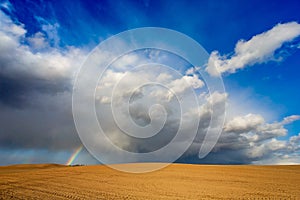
pixel 254 46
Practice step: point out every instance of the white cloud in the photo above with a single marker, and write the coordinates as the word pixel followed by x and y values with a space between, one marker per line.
pixel 127 61
pixel 258 49
pixel 181 85
pixel 276 151
pixel 256 141
pixel 244 123
pixel 47 65
pixel 290 119
pixel 255 128
pixel 265 149
pixel 10 28
pixel 133 79
pixel 38 41
pixel 164 77
pixel 192 70
pixel 217 97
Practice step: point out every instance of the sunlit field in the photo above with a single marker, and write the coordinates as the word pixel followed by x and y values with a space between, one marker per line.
pixel 177 181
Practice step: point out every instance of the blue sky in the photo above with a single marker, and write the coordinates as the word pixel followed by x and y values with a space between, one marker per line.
pixel 270 89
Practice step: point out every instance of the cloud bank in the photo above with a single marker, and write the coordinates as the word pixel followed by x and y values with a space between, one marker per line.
pixel 36 79
pixel 35 90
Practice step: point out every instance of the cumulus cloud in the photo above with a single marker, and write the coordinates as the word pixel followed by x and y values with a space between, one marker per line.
pixel 255 140
pixel 38 41
pixel 245 123
pixel 134 92
pixel 254 127
pixel 186 81
pixel 259 49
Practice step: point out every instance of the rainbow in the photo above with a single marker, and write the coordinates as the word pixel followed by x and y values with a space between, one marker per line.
pixel 74 155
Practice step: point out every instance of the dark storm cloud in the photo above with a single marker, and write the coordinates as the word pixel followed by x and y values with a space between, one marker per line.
pixel 35 91
pixel 17 90
pixel 48 124
pixel 249 139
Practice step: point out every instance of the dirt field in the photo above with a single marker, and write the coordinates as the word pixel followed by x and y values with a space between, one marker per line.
pixel 177 181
